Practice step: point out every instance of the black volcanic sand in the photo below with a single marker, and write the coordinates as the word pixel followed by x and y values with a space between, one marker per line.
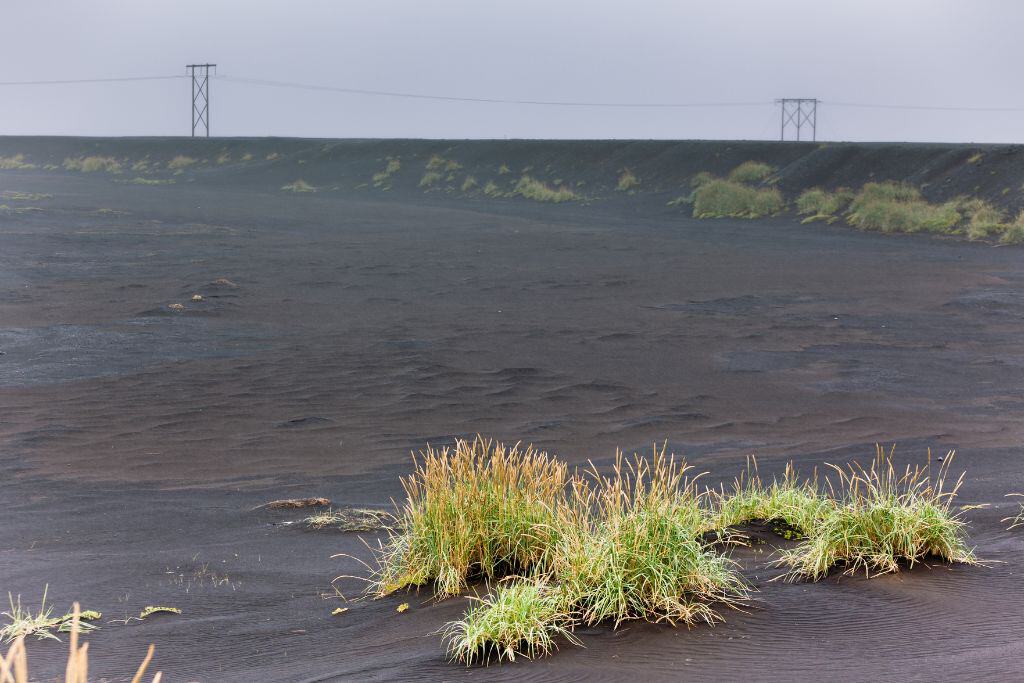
pixel 136 440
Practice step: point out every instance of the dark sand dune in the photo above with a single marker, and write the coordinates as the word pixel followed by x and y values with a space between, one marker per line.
pixel 340 329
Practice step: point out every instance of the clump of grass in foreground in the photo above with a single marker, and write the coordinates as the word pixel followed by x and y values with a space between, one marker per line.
pixel 524 618
pixel 538 191
pixel 726 198
pixel 14 665
pixel 23 622
pixel 629 546
pixel 797 505
pixel 897 207
pixel 480 507
pixel 818 204
pixel 751 172
pixel 299 186
pixel 882 518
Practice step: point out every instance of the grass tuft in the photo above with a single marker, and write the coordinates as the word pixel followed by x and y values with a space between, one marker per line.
pixel 15 163
pixel 1014 232
pixel 725 198
pixel 382 179
pixel 353 519
pixel 181 162
pixel 627 181
pixel 23 622
pixel 751 172
pixel 469 183
pixel 818 204
pixel 788 503
pixel 299 186
pixel 896 207
pixel 631 548
pixel 480 507
pixel 882 518
pixel 983 219
pixel 14 664
pixel 538 191
pixel 92 164
pixel 524 618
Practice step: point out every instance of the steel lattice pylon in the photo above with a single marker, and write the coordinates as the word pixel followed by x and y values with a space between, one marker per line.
pixel 201 96
pixel 798 113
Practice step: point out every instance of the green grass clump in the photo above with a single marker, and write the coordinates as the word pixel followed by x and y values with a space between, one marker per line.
pixel 22 621
pixel 538 191
pixel 524 618
pixel 382 179
pixel 478 508
pixel 631 548
pixel 726 198
pixel 491 189
pixel 818 204
pixel 15 163
pixel 983 219
pixel 181 162
pixel 627 181
pixel 1014 232
pixel 881 518
pixel 751 172
pixel 897 207
pixel 626 546
pixel 431 178
pixel 468 184
pixel 788 501
pixel 702 178
pixel 299 186
pixel 92 164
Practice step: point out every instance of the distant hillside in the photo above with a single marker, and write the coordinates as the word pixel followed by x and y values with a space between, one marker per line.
pixel 658 175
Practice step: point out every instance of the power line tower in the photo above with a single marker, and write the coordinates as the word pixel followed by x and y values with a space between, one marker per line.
pixel 798 113
pixel 201 95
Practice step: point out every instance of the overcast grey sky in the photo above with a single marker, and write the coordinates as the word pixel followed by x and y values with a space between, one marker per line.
pixel 917 52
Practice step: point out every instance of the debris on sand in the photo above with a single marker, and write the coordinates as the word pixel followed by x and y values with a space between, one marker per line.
pixel 224 282
pixel 176 307
pixel 291 503
pixel 197 297
pixel 402 608
pixel 353 519
pixel 158 609
pixel 339 610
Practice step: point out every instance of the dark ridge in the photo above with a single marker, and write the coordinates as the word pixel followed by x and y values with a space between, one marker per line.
pixel 590 168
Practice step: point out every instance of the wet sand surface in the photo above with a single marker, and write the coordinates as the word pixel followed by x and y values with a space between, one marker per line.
pixel 336 334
